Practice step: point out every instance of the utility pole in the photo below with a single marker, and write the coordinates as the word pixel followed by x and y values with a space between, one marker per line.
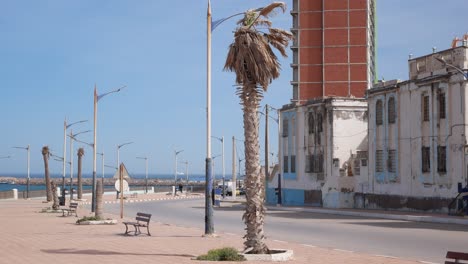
pixel 234 167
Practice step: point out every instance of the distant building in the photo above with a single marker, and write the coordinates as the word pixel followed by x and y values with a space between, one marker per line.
pixel 319 146
pixel 418 135
pixel 334 48
pixel 324 130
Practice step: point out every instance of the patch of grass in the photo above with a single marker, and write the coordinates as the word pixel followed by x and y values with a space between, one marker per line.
pixel 88 218
pixel 222 254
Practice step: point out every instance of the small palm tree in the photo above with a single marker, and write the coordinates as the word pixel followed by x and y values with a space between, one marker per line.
pixel 45 156
pixel 252 59
pixel 80 180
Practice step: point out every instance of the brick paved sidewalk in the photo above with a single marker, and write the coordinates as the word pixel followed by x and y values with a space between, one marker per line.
pixel 28 236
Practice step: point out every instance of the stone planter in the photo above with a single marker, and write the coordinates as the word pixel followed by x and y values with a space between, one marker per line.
pixel 277 255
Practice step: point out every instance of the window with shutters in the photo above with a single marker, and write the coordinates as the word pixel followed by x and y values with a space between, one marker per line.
pixel 378 113
pixel 286 164
pixel 293 164
pixel 442 159
pixel 391 110
pixel 285 127
pixel 391 160
pixel 319 123
pixel 425 108
pixel 311 123
pixel 442 105
pixel 426 159
pixel 379 161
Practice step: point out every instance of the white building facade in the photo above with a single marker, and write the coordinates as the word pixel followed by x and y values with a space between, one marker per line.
pixel 323 150
pixel 404 147
pixel 417 135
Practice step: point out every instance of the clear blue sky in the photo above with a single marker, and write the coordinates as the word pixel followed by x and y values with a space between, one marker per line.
pixel 54 52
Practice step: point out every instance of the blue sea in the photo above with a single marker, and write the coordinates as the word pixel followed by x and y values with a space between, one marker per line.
pixel 58 178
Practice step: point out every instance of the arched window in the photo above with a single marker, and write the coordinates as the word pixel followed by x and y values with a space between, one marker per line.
pixel 391 110
pixel 378 113
pixel 319 123
pixel 311 122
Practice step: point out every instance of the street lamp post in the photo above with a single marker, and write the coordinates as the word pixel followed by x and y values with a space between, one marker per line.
pixel 222 153
pixel 28 164
pixel 175 169
pixel 146 170
pixel 186 173
pixel 72 138
pixel 96 100
pixel 65 127
pixel 118 152
pixel 465 74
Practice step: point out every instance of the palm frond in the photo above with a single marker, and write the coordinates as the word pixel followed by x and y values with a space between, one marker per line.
pixel 268 10
pixel 263 22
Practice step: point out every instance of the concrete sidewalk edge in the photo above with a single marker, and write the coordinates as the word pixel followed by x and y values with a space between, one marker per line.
pixel 398 216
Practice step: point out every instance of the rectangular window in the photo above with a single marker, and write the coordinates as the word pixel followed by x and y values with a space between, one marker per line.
pixel 319 163
pixel 425 108
pixel 308 163
pixel 285 127
pixel 442 159
pixel 379 161
pixel 293 164
pixel 442 105
pixel 391 160
pixel 426 159
pixel 357 167
pixel 285 164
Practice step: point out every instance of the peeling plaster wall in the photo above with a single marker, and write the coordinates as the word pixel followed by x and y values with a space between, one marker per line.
pixel 344 132
pixel 433 188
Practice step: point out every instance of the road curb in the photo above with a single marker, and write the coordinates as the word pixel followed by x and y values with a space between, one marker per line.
pixel 405 217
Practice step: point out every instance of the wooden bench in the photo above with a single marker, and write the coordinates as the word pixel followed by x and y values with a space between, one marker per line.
pixel 456 257
pixel 70 210
pixel 142 220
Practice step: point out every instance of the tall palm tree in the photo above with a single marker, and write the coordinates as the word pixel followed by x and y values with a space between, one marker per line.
pixel 45 156
pixel 252 59
pixel 80 180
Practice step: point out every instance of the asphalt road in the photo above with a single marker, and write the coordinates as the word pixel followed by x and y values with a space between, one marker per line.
pixel 411 240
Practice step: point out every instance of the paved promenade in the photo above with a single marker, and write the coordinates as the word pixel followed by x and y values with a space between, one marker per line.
pixel 29 236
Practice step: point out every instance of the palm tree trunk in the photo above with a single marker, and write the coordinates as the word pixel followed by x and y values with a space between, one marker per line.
pixel 80 181
pixel 45 155
pixel 99 201
pixel 55 205
pixel 254 216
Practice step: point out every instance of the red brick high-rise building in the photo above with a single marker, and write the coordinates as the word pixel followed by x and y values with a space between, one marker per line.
pixel 334 48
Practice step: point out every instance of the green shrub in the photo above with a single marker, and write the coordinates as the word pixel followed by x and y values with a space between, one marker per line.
pixel 222 254
pixel 88 218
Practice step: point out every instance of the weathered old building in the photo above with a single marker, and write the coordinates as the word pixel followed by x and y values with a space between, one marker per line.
pixel 417 135
pixel 323 142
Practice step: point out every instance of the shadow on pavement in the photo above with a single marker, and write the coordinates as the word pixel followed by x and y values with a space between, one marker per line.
pixel 108 252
